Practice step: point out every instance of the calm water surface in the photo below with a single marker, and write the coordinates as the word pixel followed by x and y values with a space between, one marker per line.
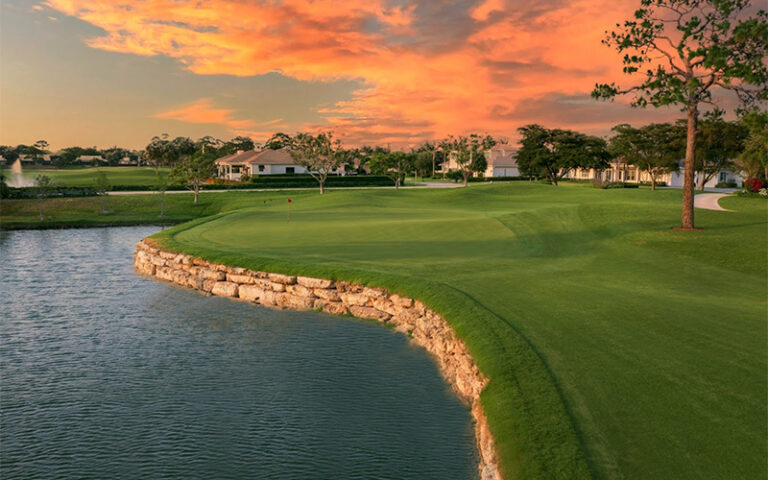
pixel 106 374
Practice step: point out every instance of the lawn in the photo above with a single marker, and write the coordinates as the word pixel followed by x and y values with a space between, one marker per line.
pixel 617 347
pixel 86 177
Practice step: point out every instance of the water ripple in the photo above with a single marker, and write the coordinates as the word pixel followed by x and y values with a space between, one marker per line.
pixel 109 375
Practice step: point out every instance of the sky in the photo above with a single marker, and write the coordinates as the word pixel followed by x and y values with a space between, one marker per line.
pixel 399 72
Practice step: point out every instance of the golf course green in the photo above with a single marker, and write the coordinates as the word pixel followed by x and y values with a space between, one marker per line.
pixel 617 347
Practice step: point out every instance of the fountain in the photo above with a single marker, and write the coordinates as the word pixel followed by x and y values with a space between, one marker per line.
pixel 16 179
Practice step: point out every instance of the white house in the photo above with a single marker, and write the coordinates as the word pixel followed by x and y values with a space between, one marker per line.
pixel 622 172
pixel 257 162
pixel 501 162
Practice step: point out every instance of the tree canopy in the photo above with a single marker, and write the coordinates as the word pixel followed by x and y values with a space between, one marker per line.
pixel 655 148
pixel 554 152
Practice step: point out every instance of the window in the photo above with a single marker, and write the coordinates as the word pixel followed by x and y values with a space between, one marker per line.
pixel 261 168
pixel 631 175
pixel 723 177
pixel 290 170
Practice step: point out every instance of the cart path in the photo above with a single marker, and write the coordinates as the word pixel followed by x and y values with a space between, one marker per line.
pixel 709 201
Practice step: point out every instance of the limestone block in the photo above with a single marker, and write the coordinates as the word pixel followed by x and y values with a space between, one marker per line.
pixel 404 302
pixel 158 261
pixel 354 299
pixel 383 304
pixel 208 285
pixel 369 313
pixel 250 293
pixel 334 308
pixel 213 275
pixel 327 294
pixel 225 289
pixel 277 287
pixel 240 278
pixel 299 303
pixel 284 279
pixel 300 291
pixel 314 282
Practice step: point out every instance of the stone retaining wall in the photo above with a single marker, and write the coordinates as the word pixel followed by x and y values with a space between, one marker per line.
pixel 425 327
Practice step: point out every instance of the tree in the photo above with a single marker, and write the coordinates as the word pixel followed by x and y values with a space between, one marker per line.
pixel 277 141
pixel 161 185
pixel 102 186
pixel 44 186
pixel 753 161
pixel 424 161
pixel 319 154
pixel 687 48
pixel 10 154
pixel 239 143
pixel 392 164
pixel 208 144
pixel 654 148
pixel 553 153
pixel 718 143
pixel 430 150
pixel 194 170
pixel 469 153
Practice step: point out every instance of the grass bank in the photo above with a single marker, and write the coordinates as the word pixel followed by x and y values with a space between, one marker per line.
pixel 616 346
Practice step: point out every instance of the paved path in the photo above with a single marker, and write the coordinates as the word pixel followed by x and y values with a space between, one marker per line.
pixel 709 201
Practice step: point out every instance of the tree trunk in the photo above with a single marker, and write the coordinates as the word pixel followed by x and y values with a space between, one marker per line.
pixel 434 153
pixel 688 179
pixel 652 174
pixel 197 191
pixel 466 177
pixel 322 186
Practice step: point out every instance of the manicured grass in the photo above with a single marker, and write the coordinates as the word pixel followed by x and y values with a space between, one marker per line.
pixel 617 347
pixel 86 177
pixel 123 209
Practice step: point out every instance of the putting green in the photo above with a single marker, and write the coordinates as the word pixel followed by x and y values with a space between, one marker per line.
pixel 616 346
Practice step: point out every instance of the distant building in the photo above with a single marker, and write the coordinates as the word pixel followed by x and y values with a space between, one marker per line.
pixel 501 161
pixel 257 162
pixel 622 172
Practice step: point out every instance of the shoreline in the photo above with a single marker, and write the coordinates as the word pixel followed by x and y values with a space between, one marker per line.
pixel 408 316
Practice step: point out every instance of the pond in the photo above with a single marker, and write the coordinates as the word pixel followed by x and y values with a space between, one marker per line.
pixel 106 374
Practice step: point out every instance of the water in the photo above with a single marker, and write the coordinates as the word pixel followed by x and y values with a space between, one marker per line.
pixel 106 374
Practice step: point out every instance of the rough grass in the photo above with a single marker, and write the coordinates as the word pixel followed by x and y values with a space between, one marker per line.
pixel 617 347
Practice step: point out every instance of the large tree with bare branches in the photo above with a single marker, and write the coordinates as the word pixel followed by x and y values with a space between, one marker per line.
pixel 685 49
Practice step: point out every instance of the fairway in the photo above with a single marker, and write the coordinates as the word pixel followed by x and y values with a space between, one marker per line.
pixel 616 346
pixel 86 177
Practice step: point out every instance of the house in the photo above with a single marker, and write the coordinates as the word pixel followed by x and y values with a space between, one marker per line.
pixel 501 160
pixel 257 162
pixel 622 172
pixel 90 159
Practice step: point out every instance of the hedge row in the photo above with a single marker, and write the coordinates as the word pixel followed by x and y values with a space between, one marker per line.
pixel 34 192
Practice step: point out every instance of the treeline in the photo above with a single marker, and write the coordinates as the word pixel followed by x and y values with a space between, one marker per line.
pixel 656 149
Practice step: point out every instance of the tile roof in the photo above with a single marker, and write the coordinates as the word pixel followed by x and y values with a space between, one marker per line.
pixel 258 157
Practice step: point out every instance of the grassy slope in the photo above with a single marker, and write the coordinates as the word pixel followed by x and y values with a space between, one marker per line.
pixel 86 177
pixel 603 330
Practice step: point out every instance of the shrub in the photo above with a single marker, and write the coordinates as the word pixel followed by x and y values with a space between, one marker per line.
pixel 730 184
pixel 607 186
pixel 754 184
pixel 454 175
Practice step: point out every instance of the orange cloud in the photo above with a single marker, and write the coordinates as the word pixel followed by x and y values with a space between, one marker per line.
pixel 428 69
pixel 203 111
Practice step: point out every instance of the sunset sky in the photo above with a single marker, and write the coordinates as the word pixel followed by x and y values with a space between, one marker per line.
pixel 103 73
